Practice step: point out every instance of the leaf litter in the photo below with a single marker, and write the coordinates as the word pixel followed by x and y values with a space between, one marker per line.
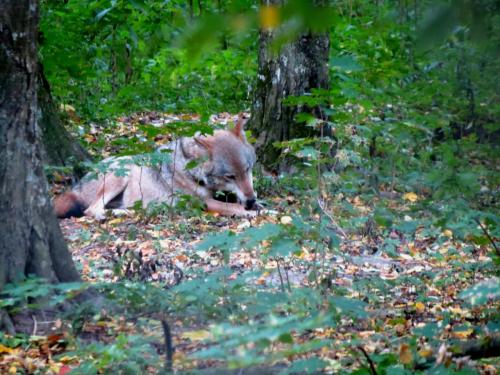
pixel 162 250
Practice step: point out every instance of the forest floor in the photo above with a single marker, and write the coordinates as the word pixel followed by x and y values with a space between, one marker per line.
pixel 100 247
pixel 163 249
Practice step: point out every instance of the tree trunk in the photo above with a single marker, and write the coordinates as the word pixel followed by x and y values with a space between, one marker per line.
pixel 59 148
pixel 31 241
pixel 299 67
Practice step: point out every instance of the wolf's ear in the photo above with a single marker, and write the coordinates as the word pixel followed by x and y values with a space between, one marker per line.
pixel 205 142
pixel 239 128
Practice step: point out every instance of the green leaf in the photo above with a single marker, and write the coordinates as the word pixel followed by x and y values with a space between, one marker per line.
pixel 311 365
pixel 484 292
pixel 346 63
pixel 102 13
pixel 348 306
pixel 283 247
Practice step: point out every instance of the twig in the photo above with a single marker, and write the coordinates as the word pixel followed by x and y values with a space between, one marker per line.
pixel 169 349
pixel 373 371
pixel 488 236
pixel 337 227
pixel 35 325
pixel 288 281
pixel 281 276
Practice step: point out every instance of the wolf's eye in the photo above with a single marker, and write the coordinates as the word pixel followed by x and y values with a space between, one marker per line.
pixel 230 177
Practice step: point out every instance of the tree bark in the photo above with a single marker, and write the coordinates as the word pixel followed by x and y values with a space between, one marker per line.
pixel 299 67
pixel 31 241
pixel 59 147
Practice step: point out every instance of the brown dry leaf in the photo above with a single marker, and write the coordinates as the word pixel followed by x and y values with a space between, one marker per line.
pixel 260 281
pixel 89 138
pixel 413 249
pixel 400 329
pixel 357 201
pixel 405 354
pixel 52 339
pixel 182 258
pixel 365 334
pixel 389 275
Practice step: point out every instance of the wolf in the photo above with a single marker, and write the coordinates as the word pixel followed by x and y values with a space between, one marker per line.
pixel 199 166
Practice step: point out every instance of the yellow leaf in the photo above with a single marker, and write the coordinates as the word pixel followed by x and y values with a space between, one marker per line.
pixel 462 334
pixel 420 307
pixel 448 233
pixel 68 359
pixel 405 355
pixel 4 349
pixel 118 220
pixel 196 335
pixel 269 17
pixel 412 197
pixel 12 370
pixel 426 352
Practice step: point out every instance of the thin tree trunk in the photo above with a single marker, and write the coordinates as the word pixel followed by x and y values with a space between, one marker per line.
pixel 31 241
pixel 59 147
pixel 299 67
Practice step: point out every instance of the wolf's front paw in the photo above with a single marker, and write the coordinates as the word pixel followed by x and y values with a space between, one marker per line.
pixel 97 214
pixel 250 214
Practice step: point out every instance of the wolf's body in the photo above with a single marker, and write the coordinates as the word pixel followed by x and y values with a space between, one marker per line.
pixel 198 166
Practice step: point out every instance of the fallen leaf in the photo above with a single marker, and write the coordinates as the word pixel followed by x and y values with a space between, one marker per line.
pixel 425 353
pixel 464 334
pixel 420 307
pixel 198 335
pixel 448 233
pixel 118 220
pixel 405 355
pixel 412 197
pixel 5 349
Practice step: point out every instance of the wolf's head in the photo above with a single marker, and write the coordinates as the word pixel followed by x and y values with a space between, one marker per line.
pixel 231 159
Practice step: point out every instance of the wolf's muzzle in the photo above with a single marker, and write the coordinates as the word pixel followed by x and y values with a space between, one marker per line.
pixel 250 203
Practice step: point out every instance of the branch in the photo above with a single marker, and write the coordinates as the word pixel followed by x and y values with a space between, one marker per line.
pixel 373 371
pixel 169 349
pixel 337 227
pixel 485 231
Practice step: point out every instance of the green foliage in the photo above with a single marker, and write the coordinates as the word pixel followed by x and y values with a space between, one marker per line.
pixel 126 355
pixel 487 291
pixel 413 154
pixel 110 57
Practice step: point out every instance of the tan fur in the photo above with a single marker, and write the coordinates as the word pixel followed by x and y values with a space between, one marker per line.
pixel 225 163
pixel 67 204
